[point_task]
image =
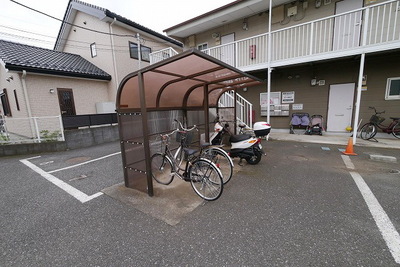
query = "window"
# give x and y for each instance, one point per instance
(16, 99)
(393, 88)
(5, 103)
(93, 50)
(145, 51)
(202, 46)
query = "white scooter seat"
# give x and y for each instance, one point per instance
(239, 137)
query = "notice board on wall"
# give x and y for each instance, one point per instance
(277, 108)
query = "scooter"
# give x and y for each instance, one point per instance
(244, 146)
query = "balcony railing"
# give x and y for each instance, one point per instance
(243, 107)
(162, 54)
(369, 29)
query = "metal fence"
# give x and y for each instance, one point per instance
(88, 120)
(49, 128)
(31, 130)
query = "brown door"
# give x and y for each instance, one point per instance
(66, 100)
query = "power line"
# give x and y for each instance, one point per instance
(84, 28)
(71, 24)
(80, 44)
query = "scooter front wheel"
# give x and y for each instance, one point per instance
(255, 159)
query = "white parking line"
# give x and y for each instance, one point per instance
(382, 220)
(82, 197)
(86, 162)
(348, 162)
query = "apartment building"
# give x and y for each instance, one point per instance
(333, 58)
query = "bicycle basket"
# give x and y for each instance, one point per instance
(184, 137)
(376, 119)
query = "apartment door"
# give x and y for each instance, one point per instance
(347, 27)
(340, 107)
(228, 49)
(66, 101)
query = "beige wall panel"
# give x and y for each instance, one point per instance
(86, 94)
(258, 24)
(14, 84)
(315, 98)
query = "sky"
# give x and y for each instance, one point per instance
(23, 25)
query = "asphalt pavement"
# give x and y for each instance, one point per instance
(304, 204)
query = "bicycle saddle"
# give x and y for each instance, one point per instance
(189, 151)
(239, 137)
(393, 118)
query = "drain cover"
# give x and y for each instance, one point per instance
(78, 160)
(297, 158)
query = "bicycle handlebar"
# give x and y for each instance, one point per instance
(166, 136)
(377, 112)
(183, 128)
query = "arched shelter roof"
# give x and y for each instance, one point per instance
(180, 82)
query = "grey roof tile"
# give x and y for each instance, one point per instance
(40, 60)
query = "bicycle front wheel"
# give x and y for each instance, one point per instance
(368, 131)
(222, 160)
(206, 179)
(396, 130)
(161, 169)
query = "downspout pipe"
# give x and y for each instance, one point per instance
(27, 103)
(358, 101)
(113, 55)
(269, 61)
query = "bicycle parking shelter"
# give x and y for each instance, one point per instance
(185, 87)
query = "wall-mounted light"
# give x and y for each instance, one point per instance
(245, 89)
(313, 82)
(245, 25)
(215, 35)
(51, 91)
(10, 78)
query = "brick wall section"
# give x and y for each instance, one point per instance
(90, 137)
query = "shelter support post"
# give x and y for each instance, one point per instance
(234, 112)
(358, 101)
(206, 114)
(145, 134)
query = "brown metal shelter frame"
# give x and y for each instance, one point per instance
(183, 87)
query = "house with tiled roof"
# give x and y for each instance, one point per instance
(94, 50)
(36, 82)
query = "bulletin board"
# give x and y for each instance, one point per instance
(277, 108)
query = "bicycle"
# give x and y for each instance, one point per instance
(204, 177)
(370, 129)
(216, 154)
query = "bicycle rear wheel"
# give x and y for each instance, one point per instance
(396, 130)
(222, 160)
(206, 179)
(161, 169)
(368, 131)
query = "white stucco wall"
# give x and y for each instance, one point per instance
(79, 41)
(86, 94)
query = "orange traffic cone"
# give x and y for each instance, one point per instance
(349, 148)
